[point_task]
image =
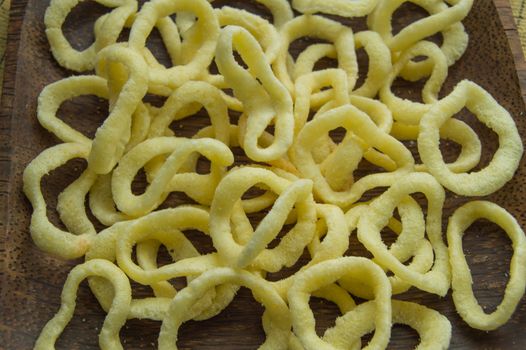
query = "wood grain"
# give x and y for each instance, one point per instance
(31, 281)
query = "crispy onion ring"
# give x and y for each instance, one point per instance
(47, 236)
(323, 28)
(433, 328)
(186, 264)
(117, 313)
(101, 202)
(328, 272)
(407, 111)
(410, 243)
(197, 49)
(357, 122)
(437, 279)
(55, 94)
(463, 297)
(379, 65)
(168, 179)
(129, 82)
(182, 103)
(504, 162)
(254, 253)
(264, 98)
(443, 18)
(277, 313)
(332, 228)
(107, 30)
(454, 130)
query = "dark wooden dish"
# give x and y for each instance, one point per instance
(31, 281)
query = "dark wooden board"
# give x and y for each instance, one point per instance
(31, 281)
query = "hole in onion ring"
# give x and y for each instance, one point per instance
(203, 165)
(155, 44)
(139, 183)
(403, 337)
(487, 137)
(176, 199)
(357, 24)
(406, 14)
(479, 243)
(325, 313)
(93, 109)
(190, 125)
(338, 134)
(408, 89)
(297, 46)
(325, 63)
(243, 313)
(55, 182)
(289, 271)
(85, 318)
(79, 25)
(363, 67)
(202, 242)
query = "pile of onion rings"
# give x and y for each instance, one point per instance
(308, 196)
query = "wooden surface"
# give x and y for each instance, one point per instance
(4, 20)
(518, 8)
(31, 281)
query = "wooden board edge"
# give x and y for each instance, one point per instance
(16, 20)
(508, 22)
